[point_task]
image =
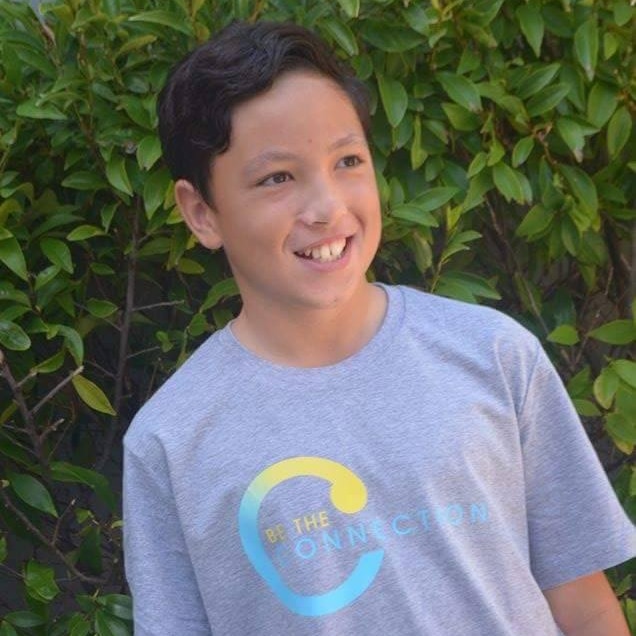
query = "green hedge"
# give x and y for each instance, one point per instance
(503, 139)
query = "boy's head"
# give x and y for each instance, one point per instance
(195, 107)
(265, 133)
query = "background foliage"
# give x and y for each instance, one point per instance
(503, 139)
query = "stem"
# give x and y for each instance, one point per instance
(47, 542)
(124, 335)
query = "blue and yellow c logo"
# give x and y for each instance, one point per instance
(348, 494)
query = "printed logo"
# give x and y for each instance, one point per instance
(348, 494)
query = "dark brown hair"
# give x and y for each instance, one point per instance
(241, 61)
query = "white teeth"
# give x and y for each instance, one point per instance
(327, 252)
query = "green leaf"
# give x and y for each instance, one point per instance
(350, 7)
(136, 43)
(11, 255)
(547, 99)
(394, 99)
(572, 134)
(415, 214)
(25, 619)
(107, 625)
(507, 182)
(601, 104)
(461, 90)
(84, 180)
(535, 222)
(13, 337)
(58, 253)
(226, 288)
(46, 276)
(617, 332)
(63, 471)
(582, 187)
(531, 82)
(40, 582)
(626, 370)
(83, 232)
(117, 175)
(155, 188)
(6, 629)
(168, 19)
(342, 34)
(148, 152)
(33, 493)
(585, 408)
(522, 150)
(458, 242)
(389, 37)
(620, 427)
(460, 118)
(3, 549)
(418, 154)
(434, 198)
(92, 395)
(605, 387)
(52, 364)
(101, 308)
(73, 341)
(564, 335)
(586, 47)
(189, 266)
(117, 605)
(32, 109)
(532, 26)
(618, 131)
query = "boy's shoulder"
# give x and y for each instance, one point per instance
(440, 318)
(192, 388)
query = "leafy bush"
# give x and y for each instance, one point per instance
(503, 141)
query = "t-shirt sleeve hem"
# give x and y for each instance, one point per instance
(603, 562)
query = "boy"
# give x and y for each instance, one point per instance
(345, 458)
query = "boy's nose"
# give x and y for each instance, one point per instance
(323, 207)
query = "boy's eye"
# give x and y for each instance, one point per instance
(351, 161)
(276, 178)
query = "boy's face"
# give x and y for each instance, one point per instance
(295, 201)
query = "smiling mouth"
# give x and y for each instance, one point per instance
(327, 252)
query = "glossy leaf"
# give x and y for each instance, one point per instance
(618, 131)
(32, 492)
(40, 582)
(617, 332)
(58, 253)
(165, 19)
(394, 99)
(586, 47)
(532, 25)
(547, 99)
(13, 337)
(342, 34)
(350, 7)
(117, 174)
(11, 255)
(564, 335)
(92, 395)
(461, 90)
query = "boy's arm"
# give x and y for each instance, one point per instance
(166, 598)
(587, 606)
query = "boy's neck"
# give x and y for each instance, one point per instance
(312, 338)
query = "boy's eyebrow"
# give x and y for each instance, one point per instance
(256, 164)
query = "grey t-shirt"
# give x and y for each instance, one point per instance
(433, 483)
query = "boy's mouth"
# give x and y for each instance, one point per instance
(326, 252)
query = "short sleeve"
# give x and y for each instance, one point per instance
(576, 524)
(166, 598)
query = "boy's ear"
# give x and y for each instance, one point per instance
(198, 215)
